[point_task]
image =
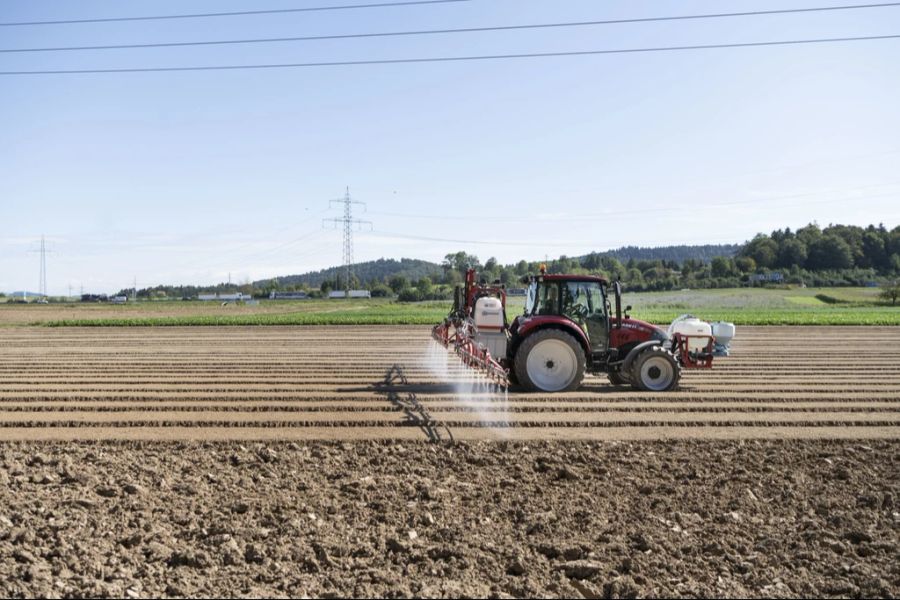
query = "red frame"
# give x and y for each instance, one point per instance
(470, 352)
(688, 359)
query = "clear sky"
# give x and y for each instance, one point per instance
(187, 177)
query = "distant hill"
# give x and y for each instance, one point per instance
(677, 253)
(378, 270)
(413, 269)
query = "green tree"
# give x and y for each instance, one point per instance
(691, 265)
(745, 264)
(452, 278)
(398, 283)
(721, 267)
(591, 261)
(874, 253)
(809, 234)
(763, 250)
(852, 236)
(380, 291)
(830, 252)
(521, 268)
(424, 286)
(461, 262)
(890, 292)
(634, 277)
(792, 251)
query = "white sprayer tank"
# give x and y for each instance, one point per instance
(689, 325)
(488, 317)
(488, 314)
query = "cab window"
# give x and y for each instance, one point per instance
(585, 303)
(542, 299)
(548, 303)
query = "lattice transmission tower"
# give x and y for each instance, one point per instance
(43, 282)
(348, 223)
(42, 276)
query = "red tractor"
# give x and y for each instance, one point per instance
(568, 328)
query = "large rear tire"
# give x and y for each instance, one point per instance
(550, 361)
(655, 370)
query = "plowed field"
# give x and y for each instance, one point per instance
(333, 383)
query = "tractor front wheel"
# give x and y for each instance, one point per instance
(550, 361)
(655, 370)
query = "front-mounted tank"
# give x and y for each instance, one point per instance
(696, 332)
(724, 333)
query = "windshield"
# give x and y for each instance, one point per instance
(542, 298)
(530, 298)
(583, 299)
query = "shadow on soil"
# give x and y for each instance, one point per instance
(402, 395)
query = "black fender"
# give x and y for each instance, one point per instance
(626, 364)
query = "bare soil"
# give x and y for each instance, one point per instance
(273, 461)
(386, 518)
(329, 383)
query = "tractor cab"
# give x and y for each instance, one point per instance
(580, 300)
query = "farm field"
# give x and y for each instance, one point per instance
(350, 383)
(677, 518)
(285, 461)
(757, 306)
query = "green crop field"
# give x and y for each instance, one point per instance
(795, 306)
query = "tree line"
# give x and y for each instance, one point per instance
(832, 256)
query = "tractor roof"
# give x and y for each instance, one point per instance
(563, 277)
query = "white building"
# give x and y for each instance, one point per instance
(223, 297)
(288, 296)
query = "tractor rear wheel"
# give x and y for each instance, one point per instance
(655, 370)
(550, 361)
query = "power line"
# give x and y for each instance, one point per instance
(674, 205)
(422, 238)
(233, 14)
(448, 31)
(395, 61)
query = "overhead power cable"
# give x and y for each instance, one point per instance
(435, 59)
(234, 14)
(671, 206)
(447, 31)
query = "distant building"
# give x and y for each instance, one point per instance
(288, 296)
(350, 294)
(222, 297)
(119, 299)
(773, 277)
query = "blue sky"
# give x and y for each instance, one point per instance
(187, 177)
